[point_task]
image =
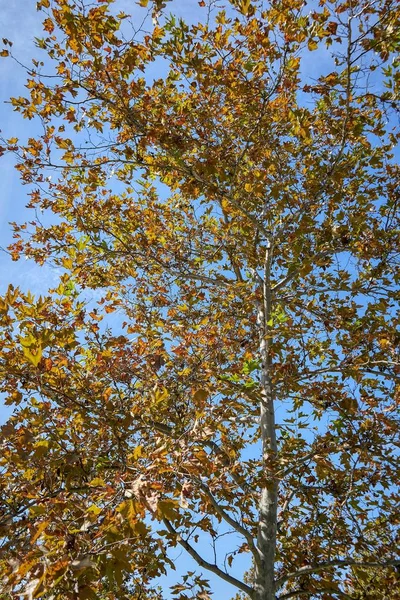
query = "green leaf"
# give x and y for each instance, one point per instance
(250, 366)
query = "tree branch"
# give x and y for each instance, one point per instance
(292, 274)
(226, 516)
(310, 592)
(341, 563)
(340, 369)
(205, 564)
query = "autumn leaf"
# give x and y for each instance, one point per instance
(39, 530)
(168, 509)
(33, 355)
(200, 396)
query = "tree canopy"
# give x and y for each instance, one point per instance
(218, 366)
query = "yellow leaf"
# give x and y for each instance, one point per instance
(68, 157)
(244, 6)
(137, 453)
(94, 509)
(67, 263)
(130, 509)
(323, 468)
(28, 341)
(97, 482)
(74, 45)
(3, 307)
(40, 528)
(160, 394)
(33, 357)
(349, 404)
(384, 343)
(168, 509)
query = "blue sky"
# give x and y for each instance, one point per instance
(20, 24)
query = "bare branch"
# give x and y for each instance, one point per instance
(296, 464)
(205, 564)
(294, 272)
(232, 522)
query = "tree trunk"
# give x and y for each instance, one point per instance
(267, 524)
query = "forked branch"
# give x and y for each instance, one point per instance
(205, 564)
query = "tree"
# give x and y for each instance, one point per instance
(219, 361)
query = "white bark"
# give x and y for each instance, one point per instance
(264, 588)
